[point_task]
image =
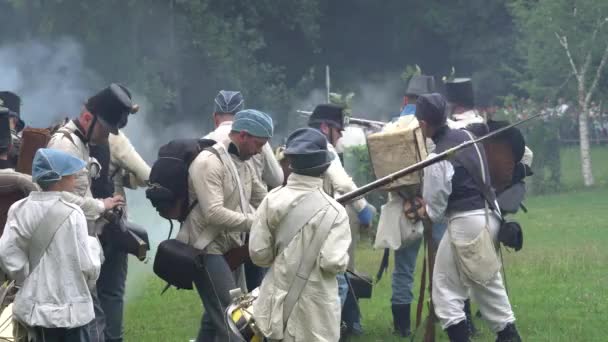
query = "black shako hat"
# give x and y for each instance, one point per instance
(12, 102)
(331, 114)
(420, 84)
(5, 128)
(112, 106)
(460, 91)
(307, 152)
(431, 108)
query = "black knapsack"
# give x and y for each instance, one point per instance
(168, 189)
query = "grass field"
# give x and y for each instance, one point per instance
(558, 283)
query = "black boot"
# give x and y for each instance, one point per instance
(467, 312)
(458, 332)
(401, 319)
(508, 334)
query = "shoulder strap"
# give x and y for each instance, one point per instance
(63, 131)
(220, 151)
(308, 261)
(293, 222)
(46, 230)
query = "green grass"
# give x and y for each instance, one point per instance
(571, 167)
(558, 283)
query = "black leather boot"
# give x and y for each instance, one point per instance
(401, 319)
(508, 334)
(467, 312)
(459, 332)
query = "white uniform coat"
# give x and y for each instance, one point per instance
(218, 209)
(57, 293)
(78, 149)
(127, 167)
(337, 181)
(316, 315)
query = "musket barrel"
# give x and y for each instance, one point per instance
(356, 121)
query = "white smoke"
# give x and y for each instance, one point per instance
(50, 78)
(147, 140)
(53, 82)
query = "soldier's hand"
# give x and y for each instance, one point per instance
(113, 202)
(415, 209)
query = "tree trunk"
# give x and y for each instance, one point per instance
(583, 119)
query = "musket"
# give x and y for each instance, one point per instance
(354, 121)
(350, 196)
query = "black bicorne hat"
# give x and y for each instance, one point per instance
(420, 84)
(460, 91)
(331, 114)
(5, 128)
(111, 106)
(12, 102)
(307, 151)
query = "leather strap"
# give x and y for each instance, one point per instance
(308, 261)
(46, 230)
(422, 286)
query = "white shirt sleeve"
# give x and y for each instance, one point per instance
(341, 182)
(528, 157)
(272, 173)
(437, 187)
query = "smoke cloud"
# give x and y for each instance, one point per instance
(50, 77)
(53, 82)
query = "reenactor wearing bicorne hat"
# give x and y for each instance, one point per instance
(121, 166)
(330, 120)
(103, 113)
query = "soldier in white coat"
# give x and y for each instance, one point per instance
(278, 241)
(267, 169)
(46, 249)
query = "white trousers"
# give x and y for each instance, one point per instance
(451, 288)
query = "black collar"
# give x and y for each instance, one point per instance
(232, 149)
(5, 164)
(78, 132)
(441, 131)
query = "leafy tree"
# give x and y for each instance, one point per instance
(563, 44)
